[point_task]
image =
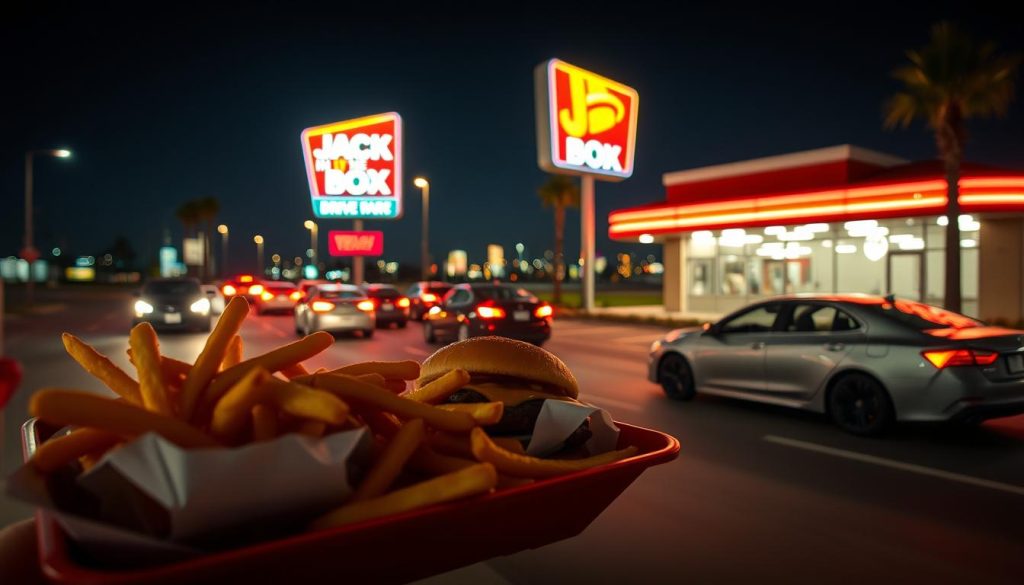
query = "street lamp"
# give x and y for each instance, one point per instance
(313, 231)
(223, 231)
(259, 254)
(424, 185)
(29, 253)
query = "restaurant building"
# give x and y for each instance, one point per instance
(838, 219)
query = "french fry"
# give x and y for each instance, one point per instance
(295, 370)
(69, 407)
(429, 462)
(272, 361)
(102, 368)
(233, 410)
(439, 389)
(173, 371)
(349, 388)
(59, 451)
(146, 353)
(381, 423)
(233, 354)
(510, 444)
(403, 370)
(375, 379)
(451, 444)
(308, 403)
(516, 465)
(264, 423)
(387, 467)
(312, 428)
(395, 385)
(210, 358)
(473, 480)
(484, 413)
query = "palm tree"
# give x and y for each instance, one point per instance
(949, 80)
(188, 214)
(559, 192)
(207, 210)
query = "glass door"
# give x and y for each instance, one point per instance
(905, 275)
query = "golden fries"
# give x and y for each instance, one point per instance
(473, 480)
(404, 370)
(427, 461)
(516, 465)
(233, 355)
(235, 408)
(101, 367)
(389, 464)
(59, 451)
(484, 413)
(264, 423)
(308, 403)
(146, 353)
(212, 356)
(441, 388)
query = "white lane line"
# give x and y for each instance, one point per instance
(416, 351)
(618, 404)
(892, 464)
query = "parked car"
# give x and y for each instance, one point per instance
(278, 296)
(336, 308)
(216, 298)
(389, 304)
(304, 284)
(173, 303)
(866, 361)
(244, 285)
(424, 295)
(471, 310)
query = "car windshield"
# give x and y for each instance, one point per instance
(438, 290)
(340, 294)
(171, 288)
(503, 293)
(384, 293)
(923, 317)
(280, 286)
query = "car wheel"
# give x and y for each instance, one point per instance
(858, 404)
(676, 377)
(463, 332)
(367, 333)
(428, 333)
(402, 324)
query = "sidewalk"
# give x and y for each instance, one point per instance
(648, 314)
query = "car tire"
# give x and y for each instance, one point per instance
(463, 332)
(859, 405)
(402, 324)
(428, 333)
(367, 333)
(676, 377)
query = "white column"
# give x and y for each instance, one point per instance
(587, 241)
(674, 285)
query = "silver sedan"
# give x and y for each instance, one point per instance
(866, 361)
(335, 308)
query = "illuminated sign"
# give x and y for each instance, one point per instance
(355, 243)
(586, 124)
(355, 167)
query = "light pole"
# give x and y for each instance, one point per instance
(424, 186)
(222, 229)
(29, 253)
(313, 231)
(259, 254)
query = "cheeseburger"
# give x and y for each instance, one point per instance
(518, 374)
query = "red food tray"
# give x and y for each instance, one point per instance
(395, 549)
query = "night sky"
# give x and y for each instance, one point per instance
(169, 102)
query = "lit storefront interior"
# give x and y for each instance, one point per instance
(840, 219)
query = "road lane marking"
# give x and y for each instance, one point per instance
(416, 351)
(618, 404)
(893, 464)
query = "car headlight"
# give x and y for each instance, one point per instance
(143, 308)
(655, 346)
(201, 306)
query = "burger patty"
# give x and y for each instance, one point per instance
(520, 419)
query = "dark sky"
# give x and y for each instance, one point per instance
(172, 101)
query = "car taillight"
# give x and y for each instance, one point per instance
(365, 306)
(322, 307)
(267, 295)
(487, 312)
(403, 302)
(256, 290)
(428, 298)
(245, 279)
(543, 311)
(228, 290)
(295, 296)
(947, 358)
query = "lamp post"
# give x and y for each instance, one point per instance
(29, 253)
(259, 254)
(222, 229)
(424, 186)
(313, 231)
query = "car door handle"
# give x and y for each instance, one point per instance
(834, 346)
(757, 345)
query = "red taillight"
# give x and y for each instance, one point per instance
(487, 312)
(267, 295)
(403, 303)
(245, 279)
(428, 298)
(322, 307)
(365, 306)
(256, 290)
(543, 311)
(947, 358)
(228, 290)
(295, 296)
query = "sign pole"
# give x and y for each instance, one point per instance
(587, 241)
(357, 261)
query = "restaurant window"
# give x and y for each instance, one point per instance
(700, 277)
(734, 278)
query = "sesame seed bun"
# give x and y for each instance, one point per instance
(501, 356)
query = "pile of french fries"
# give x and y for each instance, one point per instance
(424, 453)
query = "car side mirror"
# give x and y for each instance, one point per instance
(711, 329)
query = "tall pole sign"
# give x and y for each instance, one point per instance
(586, 125)
(354, 169)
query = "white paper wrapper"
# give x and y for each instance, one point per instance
(158, 499)
(557, 421)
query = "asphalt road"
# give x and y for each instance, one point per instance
(757, 493)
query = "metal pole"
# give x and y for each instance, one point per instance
(587, 241)
(224, 255)
(357, 261)
(425, 244)
(30, 288)
(259, 259)
(314, 234)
